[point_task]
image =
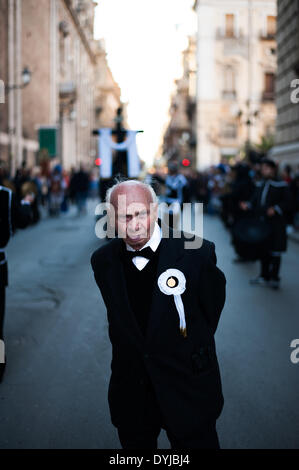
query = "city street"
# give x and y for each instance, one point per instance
(54, 392)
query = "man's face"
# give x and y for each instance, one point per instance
(267, 171)
(135, 215)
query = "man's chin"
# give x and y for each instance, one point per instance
(136, 242)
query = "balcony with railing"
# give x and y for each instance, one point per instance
(268, 96)
(229, 95)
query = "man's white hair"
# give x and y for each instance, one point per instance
(131, 183)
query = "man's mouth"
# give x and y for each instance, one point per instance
(136, 237)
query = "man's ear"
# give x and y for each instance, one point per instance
(154, 211)
(111, 222)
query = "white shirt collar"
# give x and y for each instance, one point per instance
(153, 242)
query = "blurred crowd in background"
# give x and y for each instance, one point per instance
(54, 190)
(257, 202)
(220, 188)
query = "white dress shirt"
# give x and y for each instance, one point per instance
(139, 261)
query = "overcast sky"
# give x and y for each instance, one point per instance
(144, 40)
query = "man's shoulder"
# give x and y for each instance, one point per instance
(279, 183)
(104, 252)
(5, 189)
(193, 243)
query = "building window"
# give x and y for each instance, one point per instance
(270, 130)
(269, 82)
(269, 86)
(62, 53)
(271, 26)
(229, 25)
(229, 130)
(229, 83)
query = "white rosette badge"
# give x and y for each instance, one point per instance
(173, 282)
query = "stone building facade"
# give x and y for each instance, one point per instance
(54, 39)
(236, 68)
(286, 149)
(107, 92)
(179, 141)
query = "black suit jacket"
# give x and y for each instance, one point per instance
(183, 371)
(13, 215)
(273, 193)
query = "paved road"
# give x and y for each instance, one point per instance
(55, 390)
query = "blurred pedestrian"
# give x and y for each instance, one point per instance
(13, 215)
(287, 174)
(294, 188)
(176, 186)
(79, 188)
(66, 193)
(94, 184)
(271, 201)
(22, 176)
(216, 186)
(30, 188)
(242, 189)
(56, 191)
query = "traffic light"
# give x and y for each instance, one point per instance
(98, 162)
(186, 162)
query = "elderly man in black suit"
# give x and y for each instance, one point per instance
(163, 305)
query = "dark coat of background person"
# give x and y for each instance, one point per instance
(12, 216)
(184, 372)
(272, 193)
(79, 183)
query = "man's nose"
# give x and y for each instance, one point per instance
(135, 225)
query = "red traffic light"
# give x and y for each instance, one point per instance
(98, 162)
(186, 162)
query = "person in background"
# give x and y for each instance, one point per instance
(176, 189)
(271, 200)
(287, 174)
(56, 191)
(79, 188)
(66, 193)
(13, 215)
(294, 189)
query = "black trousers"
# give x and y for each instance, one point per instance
(2, 310)
(146, 435)
(270, 266)
(147, 438)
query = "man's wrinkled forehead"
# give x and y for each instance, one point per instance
(134, 208)
(122, 199)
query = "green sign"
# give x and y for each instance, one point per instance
(47, 137)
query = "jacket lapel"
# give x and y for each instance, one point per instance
(116, 278)
(171, 250)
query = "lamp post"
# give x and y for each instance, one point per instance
(247, 119)
(26, 79)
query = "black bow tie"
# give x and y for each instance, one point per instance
(145, 253)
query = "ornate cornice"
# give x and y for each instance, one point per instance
(80, 30)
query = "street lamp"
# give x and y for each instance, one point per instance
(26, 76)
(248, 121)
(26, 79)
